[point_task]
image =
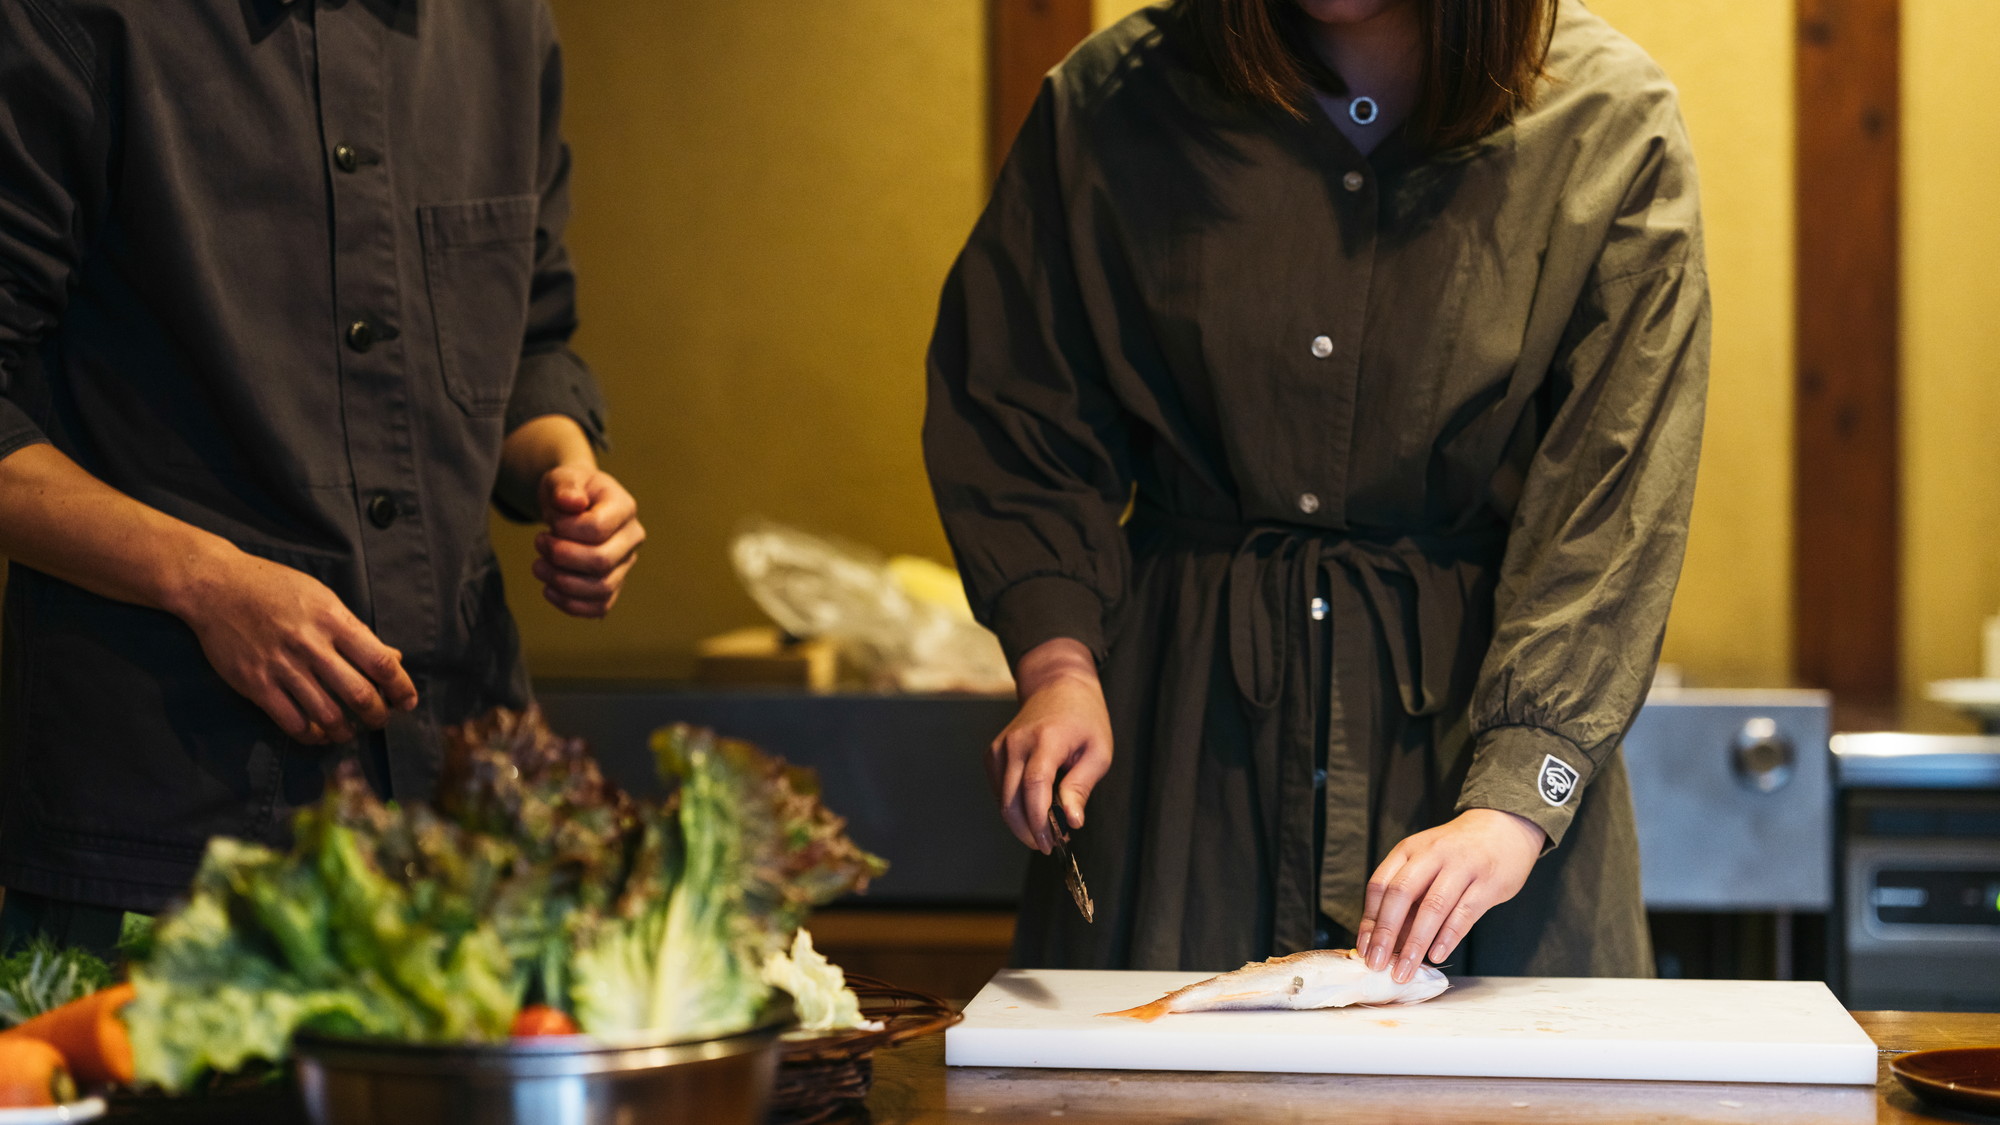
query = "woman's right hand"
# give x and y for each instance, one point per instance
(1062, 728)
(290, 645)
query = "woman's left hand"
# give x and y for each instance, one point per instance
(1433, 886)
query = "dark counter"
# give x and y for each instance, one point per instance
(914, 1087)
(905, 770)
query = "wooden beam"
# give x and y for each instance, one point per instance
(1847, 524)
(1024, 39)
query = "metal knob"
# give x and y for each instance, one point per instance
(1762, 758)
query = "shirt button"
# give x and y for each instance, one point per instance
(1353, 181)
(1308, 503)
(361, 335)
(1319, 779)
(1322, 346)
(382, 510)
(1318, 609)
(1321, 939)
(346, 158)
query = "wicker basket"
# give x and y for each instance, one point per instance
(823, 1076)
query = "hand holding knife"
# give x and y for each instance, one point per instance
(1072, 875)
(1053, 753)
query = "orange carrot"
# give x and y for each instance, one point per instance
(89, 1034)
(32, 1073)
(540, 1019)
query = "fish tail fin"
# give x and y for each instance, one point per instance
(1145, 1013)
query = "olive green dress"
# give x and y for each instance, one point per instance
(1366, 478)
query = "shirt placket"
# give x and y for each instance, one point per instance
(1341, 775)
(1338, 352)
(400, 595)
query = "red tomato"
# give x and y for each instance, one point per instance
(540, 1019)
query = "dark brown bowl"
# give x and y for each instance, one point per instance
(1965, 1078)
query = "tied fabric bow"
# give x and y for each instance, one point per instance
(1416, 589)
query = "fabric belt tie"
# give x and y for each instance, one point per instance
(1280, 565)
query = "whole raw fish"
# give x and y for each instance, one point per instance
(1317, 978)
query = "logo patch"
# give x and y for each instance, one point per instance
(1557, 782)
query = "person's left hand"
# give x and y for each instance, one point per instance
(1452, 874)
(592, 539)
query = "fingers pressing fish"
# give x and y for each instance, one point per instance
(1317, 978)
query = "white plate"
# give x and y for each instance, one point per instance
(86, 1110)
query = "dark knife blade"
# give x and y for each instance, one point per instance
(1072, 876)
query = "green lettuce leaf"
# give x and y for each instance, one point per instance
(818, 988)
(378, 922)
(796, 853)
(758, 850)
(528, 877)
(217, 991)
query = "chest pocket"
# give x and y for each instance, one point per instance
(479, 260)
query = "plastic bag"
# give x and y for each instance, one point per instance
(903, 623)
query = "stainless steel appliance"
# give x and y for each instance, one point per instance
(1734, 795)
(1920, 871)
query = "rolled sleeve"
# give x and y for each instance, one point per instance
(17, 430)
(558, 382)
(54, 157)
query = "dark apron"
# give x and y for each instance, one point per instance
(1288, 704)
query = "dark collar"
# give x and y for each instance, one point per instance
(264, 16)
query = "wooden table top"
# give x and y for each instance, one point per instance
(912, 1087)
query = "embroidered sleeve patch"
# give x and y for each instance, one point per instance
(1557, 782)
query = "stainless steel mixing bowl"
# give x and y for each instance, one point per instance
(562, 1080)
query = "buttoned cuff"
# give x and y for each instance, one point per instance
(1043, 608)
(557, 382)
(1529, 772)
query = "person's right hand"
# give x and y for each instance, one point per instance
(1063, 725)
(293, 648)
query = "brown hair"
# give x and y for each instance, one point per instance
(1482, 58)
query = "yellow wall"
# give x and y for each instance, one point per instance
(1951, 341)
(768, 195)
(767, 198)
(1111, 11)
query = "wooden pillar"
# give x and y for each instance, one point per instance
(1847, 526)
(1024, 39)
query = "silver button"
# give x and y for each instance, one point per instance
(1353, 181)
(1318, 609)
(1319, 779)
(1308, 503)
(1322, 347)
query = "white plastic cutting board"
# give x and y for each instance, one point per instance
(1496, 1027)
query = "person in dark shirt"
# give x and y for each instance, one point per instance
(284, 306)
(1314, 414)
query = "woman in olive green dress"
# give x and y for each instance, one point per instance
(1314, 415)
